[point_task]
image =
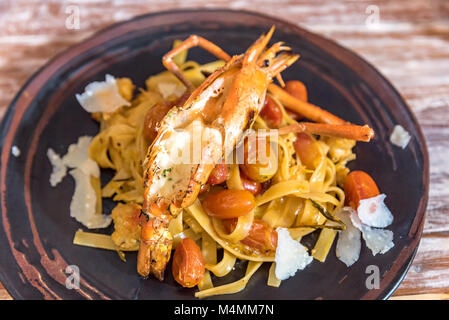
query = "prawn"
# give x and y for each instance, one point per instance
(222, 107)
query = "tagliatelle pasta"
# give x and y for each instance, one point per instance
(232, 287)
(285, 201)
(197, 211)
(240, 231)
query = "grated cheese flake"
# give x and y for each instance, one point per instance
(349, 241)
(59, 170)
(377, 240)
(15, 151)
(102, 96)
(400, 137)
(82, 206)
(374, 213)
(291, 255)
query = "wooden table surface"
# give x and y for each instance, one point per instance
(407, 40)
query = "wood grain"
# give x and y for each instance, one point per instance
(4, 295)
(409, 44)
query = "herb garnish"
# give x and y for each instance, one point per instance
(327, 214)
(165, 171)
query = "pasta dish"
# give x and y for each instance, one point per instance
(217, 163)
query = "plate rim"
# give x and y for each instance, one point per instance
(420, 215)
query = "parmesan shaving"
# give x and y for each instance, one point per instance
(374, 213)
(377, 240)
(59, 169)
(83, 204)
(77, 152)
(291, 255)
(77, 157)
(15, 151)
(400, 137)
(349, 240)
(102, 96)
(82, 207)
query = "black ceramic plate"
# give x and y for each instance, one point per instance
(36, 231)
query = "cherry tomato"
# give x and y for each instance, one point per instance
(358, 186)
(258, 165)
(227, 204)
(307, 150)
(152, 119)
(250, 185)
(219, 174)
(188, 263)
(271, 112)
(260, 237)
(296, 89)
(155, 115)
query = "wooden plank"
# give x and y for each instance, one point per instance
(429, 272)
(4, 295)
(425, 296)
